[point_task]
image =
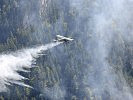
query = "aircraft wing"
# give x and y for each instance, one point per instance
(62, 37)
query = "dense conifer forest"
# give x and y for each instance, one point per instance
(71, 71)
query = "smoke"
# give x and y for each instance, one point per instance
(54, 93)
(97, 23)
(34, 17)
(13, 62)
(109, 19)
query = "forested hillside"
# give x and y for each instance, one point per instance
(97, 65)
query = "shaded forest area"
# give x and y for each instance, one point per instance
(62, 73)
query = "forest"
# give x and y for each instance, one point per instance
(97, 65)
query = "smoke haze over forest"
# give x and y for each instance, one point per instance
(97, 65)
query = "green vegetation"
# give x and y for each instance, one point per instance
(66, 66)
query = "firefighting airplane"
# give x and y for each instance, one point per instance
(60, 38)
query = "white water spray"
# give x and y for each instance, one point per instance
(17, 61)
